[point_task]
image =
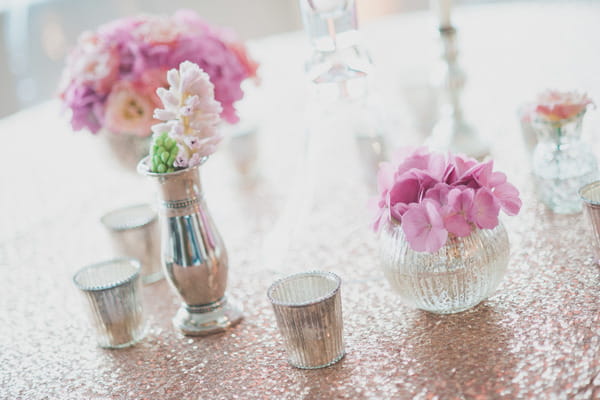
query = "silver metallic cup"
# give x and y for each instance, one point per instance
(112, 290)
(193, 253)
(135, 233)
(308, 309)
(590, 195)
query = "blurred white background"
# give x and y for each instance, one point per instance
(37, 34)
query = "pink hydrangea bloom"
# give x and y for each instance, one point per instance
(485, 209)
(423, 226)
(93, 64)
(137, 50)
(458, 209)
(432, 195)
(554, 105)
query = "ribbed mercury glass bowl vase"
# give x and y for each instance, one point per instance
(463, 273)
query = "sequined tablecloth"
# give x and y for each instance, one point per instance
(537, 337)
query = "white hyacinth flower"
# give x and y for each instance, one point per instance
(190, 114)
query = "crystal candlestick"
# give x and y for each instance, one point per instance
(339, 61)
(340, 73)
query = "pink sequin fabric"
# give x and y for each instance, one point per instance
(537, 337)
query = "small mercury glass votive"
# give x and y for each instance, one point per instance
(243, 145)
(308, 309)
(112, 290)
(590, 195)
(135, 233)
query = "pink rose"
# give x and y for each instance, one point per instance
(554, 105)
(128, 111)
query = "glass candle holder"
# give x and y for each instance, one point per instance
(590, 196)
(308, 310)
(339, 63)
(135, 233)
(112, 291)
(562, 163)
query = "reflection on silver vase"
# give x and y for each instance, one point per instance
(193, 254)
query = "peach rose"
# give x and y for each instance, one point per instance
(128, 111)
(555, 106)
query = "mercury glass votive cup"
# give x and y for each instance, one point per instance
(112, 291)
(590, 195)
(135, 233)
(308, 310)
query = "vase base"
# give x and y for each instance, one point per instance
(207, 319)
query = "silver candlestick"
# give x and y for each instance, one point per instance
(452, 132)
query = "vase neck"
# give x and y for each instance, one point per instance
(180, 189)
(560, 132)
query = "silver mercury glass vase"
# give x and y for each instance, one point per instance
(193, 255)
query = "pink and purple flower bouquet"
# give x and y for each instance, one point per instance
(111, 76)
(434, 195)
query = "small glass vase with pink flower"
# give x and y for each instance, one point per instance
(562, 162)
(110, 78)
(442, 246)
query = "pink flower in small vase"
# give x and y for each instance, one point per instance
(554, 105)
(423, 226)
(128, 111)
